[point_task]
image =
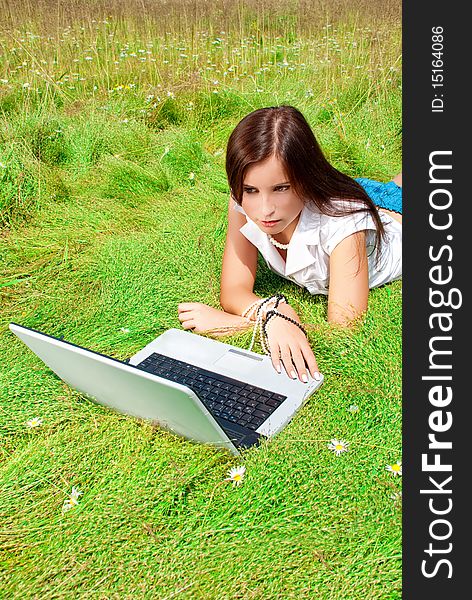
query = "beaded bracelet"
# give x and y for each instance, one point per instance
(269, 316)
(261, 312)
(276, 313)
(247, 312)
(258, 305)
(277, 299)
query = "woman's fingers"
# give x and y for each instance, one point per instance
(299, 362)
(286, 358)
(185, 306)
(292, 352)
(275, 357)
(184, 316)
(187, 318)
(310, 361)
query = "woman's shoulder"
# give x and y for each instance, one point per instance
(351, 218)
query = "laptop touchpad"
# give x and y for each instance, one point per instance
(238, 361)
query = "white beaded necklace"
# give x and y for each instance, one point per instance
(278, 244)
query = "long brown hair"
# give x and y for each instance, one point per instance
(283, 131)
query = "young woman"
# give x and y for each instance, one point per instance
(312, 224)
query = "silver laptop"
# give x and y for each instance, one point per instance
(199, 388)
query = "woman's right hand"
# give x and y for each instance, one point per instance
(289, 347)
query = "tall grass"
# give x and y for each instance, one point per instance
(114, 118)
(63, 96)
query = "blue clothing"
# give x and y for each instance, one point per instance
(385, 195)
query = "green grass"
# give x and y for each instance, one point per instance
(112, 211)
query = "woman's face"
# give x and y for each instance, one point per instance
(269, 199)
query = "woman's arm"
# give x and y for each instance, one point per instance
(349, 280)
(237, 283)
(238, 272)
(287, 343)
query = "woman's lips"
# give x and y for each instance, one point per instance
(270, 223)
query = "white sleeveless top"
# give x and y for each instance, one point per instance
(316, 236)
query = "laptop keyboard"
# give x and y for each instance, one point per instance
(229, 399)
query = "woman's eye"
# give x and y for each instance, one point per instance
(249, 190)
(282, 188)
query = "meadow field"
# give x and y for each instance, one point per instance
(114, 118)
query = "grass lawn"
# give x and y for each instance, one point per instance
(113, 204)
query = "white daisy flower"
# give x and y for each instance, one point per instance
(191, 176)
(72, 501)
(338, 446)
(74, 495)
(124, 330)
(236, 475)
(35, 422)
(353, 408)
(395, 469)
